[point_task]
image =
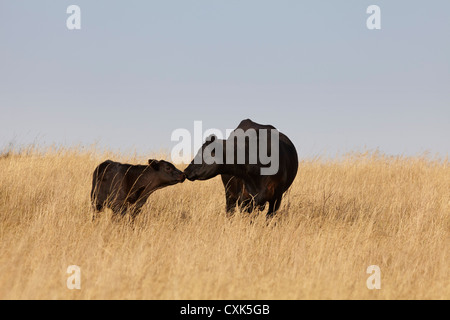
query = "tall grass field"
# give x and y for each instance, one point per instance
(339, 217)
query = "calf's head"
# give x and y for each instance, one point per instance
(166, 172)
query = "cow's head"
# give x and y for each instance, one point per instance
(208, 162)
(166, 172)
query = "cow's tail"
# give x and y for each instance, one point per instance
(97, 179)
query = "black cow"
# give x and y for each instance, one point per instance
(123, 186)
(244, 183)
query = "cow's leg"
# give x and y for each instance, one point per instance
(232, 187)
(137, 207)
(119, 209)
(96, 208)
(260, 201)
(274, 205)
(230, 204)
(98, 202)
(247, 204)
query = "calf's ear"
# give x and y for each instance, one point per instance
(154, 164)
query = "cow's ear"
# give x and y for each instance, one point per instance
(212, 138)
(154, 164)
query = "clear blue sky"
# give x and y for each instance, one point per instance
(137, 70)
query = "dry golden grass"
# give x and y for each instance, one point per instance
(339, 217)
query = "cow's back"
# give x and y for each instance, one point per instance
(103, 178)
(287, 151)
(249, 124)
